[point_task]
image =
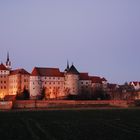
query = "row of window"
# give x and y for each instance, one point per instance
(50, 83)
(86, 83)
(3, 76)
(3, 71)
(18, 87)
(15, 81)
(3, 82)
(57, 78)
(2, 87)
(52, 88)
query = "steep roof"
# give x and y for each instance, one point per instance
(19, 71)
(50, 72)
(96, 79)
(103, 79)
(2, 67)
(84, 76)
(73, 70)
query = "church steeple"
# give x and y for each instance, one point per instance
(8, 62)
(67, 68)
(68, 65)
(7, 56)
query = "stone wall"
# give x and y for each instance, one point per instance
(6, 105)
(67, 104)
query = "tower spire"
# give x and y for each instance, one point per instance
(67, 68)
(68, 65)
(8, 56)
(8, 62)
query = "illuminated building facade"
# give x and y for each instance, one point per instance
(52, 81)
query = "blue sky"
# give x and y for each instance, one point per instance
(101, 37)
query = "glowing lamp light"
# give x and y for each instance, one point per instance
(1, 95)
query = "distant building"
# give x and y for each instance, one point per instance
(60, 84)
(19, 80)
(52, 81)
(135, 84)
(4, 81)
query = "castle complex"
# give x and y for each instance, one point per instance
(56, 84)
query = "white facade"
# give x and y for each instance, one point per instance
(35, 86)
(4, 82)
(54, 86)
(72, 83)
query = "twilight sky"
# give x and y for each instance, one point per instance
(101, 37)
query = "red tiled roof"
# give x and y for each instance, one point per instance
(84, 76)
(2, 67)
(73, 70)
(19, 71)
(51, 72)
(96, 79)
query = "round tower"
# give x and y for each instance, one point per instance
(72, 80)
(35, 84)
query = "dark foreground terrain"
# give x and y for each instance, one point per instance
(102, 124)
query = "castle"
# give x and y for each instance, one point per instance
(56, 84)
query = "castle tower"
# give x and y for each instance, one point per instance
(72, 80)
(35, 83)
(8, 62)
(67, 68)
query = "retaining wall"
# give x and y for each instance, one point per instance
(66, 103)
(6, 105)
